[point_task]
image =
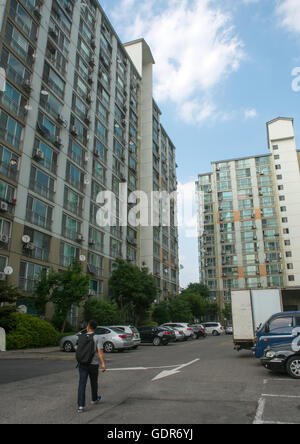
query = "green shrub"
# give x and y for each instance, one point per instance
(148, 322)
(31, 332)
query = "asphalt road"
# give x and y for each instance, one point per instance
(195, 382)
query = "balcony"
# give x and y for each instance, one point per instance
(37, 219)
(10, 171)
(43, 191)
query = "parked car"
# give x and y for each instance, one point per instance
(282, 359)
(113, 339)
(229, 330)
(184, 326)
(199, 331)
(156, 335)
(179, 335)
(130, 329)
(213, 328)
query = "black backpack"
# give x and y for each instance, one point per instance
(86, 349)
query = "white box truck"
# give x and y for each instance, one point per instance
(250, 309)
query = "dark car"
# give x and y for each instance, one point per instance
(282, 361)
(199, 331)
(156, 335)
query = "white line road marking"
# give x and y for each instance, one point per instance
(280, 396)
(176, 370)
(260, 411)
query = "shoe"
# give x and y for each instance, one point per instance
(80, 409)
(97, 401)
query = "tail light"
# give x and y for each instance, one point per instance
(201, 331)
(189, 329)
(132, 335)
(122, 336)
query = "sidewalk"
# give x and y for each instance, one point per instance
(49, 353)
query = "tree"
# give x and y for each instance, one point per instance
(104, 312)
(197, 288)
(8, 297)
(133, 289)
(161, 313)
(180, 310)
(68, 288)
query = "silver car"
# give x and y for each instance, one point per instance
(133, 331)
(113, 339)
(180, 336)
(187, 330)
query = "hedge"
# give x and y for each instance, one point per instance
(31, 332)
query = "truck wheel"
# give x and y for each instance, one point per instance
(293, 367)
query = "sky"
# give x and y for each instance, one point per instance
(223, 69)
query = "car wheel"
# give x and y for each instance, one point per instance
(108, 347)
(68, 347)
(215, 333)
(156, 341)
(194, 336)
(293, 367)
(165, 343)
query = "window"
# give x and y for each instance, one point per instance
(38, 213)
(291, 278)
(288, 254)
(29, 274)
(280, 324)
(279, 177)
(283, 209)
(284, 220)
(290, 266)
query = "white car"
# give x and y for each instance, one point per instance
(184, 326)
(133, 331)
(214, 328)
(113, 339)
(180, 336)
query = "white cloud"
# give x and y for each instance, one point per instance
(194, 45)
(250, 113)
(289, 14)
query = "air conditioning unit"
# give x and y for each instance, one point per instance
(39, 155)
(89, 99)
(27, 85)
(92, 62)
(30, 246)
(3, 206)
(90, 80)
(58, 142)
(88, 119)
(96, 153)
(4, 238)
(92, 242)
(79, 238)
(74, 131)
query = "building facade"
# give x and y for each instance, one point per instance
(76, 118)
(249, 218)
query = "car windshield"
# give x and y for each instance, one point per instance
(134, 329)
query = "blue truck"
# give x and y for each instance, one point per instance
(277, 343)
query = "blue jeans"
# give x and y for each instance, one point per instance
(85, 372)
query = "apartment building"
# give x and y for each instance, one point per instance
(77, 117)
(249, 218)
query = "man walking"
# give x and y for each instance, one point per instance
(89, 353)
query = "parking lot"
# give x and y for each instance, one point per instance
(195, 382)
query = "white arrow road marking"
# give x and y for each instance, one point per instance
(176, 370)
(139, 368)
